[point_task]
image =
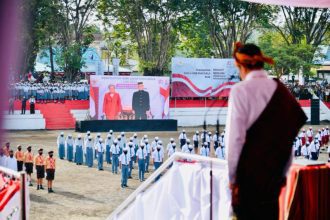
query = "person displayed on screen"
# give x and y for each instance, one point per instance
(141, 103)
(112, 104)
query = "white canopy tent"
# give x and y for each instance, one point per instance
(296, 3)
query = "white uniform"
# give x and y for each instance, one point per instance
(115, 149)
(184, 148)
(100, 147)
(141, 154)
(124, 159)
(171, 151)
(11, 163)
(204, 151)
(304, 151)
(190, 151)
(220, 153)
(158, 156)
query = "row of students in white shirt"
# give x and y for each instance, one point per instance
(205, 136)
(322, 135)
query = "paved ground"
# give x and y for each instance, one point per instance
(80, 192)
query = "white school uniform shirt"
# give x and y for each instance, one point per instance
(124, 159)
(222, 141)
(142, 141)
(171, 151)
(182, 136)
(100, 147)
(86, 138)
(297, 144)
(78, 143)
(96, 140)
(317, 145)
(196, 137)
(301, 135)
(158, 156)
(220, 153)
(169, 145)
(184, 148)
(204, 151)
(131, 151)
(115, 149)
(11, 163)
(240, 116)
(135, 141)
(309, 133)
(141, 154)
(60, 140)
(154, 145)
(207, 137)
(304, 150)
(312, 148)
(216, 138)
(88, 144)
(147, 147)
(108, 141)
(190, 151)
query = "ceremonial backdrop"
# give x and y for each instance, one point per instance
(202, 77)
(111, 97)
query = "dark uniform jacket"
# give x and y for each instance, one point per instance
(141, 101)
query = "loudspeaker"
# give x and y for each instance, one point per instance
(315, 111)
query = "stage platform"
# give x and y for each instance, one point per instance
(126, 125)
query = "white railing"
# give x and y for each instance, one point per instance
(23, 194)
(151, 179)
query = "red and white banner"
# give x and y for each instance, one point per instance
(202, 77)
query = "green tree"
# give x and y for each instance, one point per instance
(151, 27)
(289, 58)
(76, 34)
(229, 21)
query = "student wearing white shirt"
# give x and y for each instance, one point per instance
(114, 150)
(304, 150)
(313, 151)
(160, 144)
(141, 157)
(10, 161)
(61, 146)
(171, 150)
(131, 152)
(96, 140)
(169, 145)
(78, 150)
(309, 134)
(100, 151)
(108, 143)
(296, 147)
(154, 144)
(204, 151)
(89, 151)
(190, 149)
(196, 140)
(215, 140)
(182, 138)
(69, 142)
(219, 153)
(124, 161)
(88, 134)
(148, 149)
(185, 146)
(142, 141)
(158, 157)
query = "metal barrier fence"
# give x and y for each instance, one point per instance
(22, 178)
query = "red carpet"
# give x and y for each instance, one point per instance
(57, 115)
(327, 104)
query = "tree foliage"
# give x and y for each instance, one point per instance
(150, 24)
(229, 21)
(289, 58)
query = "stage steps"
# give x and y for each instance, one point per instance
(27, 121)
(57, 116)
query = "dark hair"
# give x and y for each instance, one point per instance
(251, 50)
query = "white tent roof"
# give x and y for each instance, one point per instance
(296, 3)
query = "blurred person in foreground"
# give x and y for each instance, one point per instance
(258, 160)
